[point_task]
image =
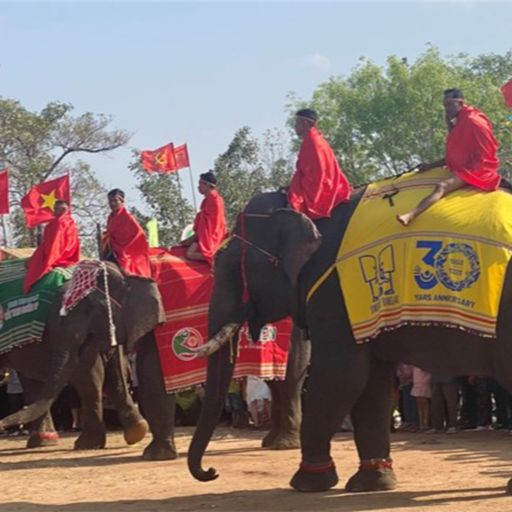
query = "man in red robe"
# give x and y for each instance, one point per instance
(125, 241)
(471, 153)
(60, 246)
(209, 224)
(318, 184)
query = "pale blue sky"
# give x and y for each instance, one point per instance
(196, 72)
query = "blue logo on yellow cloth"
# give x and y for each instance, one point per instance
(455, 265)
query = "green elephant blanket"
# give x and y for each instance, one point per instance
(23, 317)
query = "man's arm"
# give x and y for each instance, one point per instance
(193, 253)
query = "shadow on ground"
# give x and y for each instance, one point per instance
(282, 500)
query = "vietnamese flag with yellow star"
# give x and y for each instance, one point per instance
(39, 203)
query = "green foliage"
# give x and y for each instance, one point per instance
(383, 120)
(247, 168)
(161, 193)
(36, 146)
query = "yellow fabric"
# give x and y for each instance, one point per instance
(447, 267)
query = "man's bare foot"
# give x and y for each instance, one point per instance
(405, 219)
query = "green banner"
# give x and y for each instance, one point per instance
(152, 227)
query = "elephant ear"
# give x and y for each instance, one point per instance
(142, 309)
(298, 240)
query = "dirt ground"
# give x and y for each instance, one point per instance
(465, 471)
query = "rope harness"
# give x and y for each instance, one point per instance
(245, 243)
(111, 326)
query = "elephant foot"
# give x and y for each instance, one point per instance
(38, 439)
(160, 451)
(509, 486)
(373, 475)
(269, 439)
(136, 432)
(88, 442)
(315, 477)
(286, 442)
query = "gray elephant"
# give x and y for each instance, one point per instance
(344, 376)
(76, 348)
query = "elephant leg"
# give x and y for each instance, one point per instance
(290, 394)
(134, 425)
(275, 413)
(88, 380)
(42, 430)
(504, 378)
(159, 407)
(371, 419)
(336, 379)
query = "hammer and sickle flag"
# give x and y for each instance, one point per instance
(159, 160)
(39, 202)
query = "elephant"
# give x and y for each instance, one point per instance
(85, 329)
(276, 255)
(76, 348)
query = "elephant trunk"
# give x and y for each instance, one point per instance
(62, 365)
(219, 373)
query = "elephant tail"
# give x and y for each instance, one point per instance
(220, 371)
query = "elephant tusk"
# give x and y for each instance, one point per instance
(220, 339)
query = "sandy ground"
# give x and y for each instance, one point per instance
(466, 471)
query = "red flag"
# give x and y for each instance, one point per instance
(4, 192)
(506, 90)
(181, 157)
(39, 203)
(159, 160)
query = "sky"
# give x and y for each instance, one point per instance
(195, 72)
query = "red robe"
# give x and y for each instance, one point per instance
(60, 247)
(210, 225)
(128, 242)
(471, 150)
(318, 184)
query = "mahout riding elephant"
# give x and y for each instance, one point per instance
(81, 340)
(76, 348)
(344, 377)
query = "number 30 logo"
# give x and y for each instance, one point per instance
(455, 266)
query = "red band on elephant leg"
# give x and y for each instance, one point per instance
(373, 464)
(317, 468)
(48, 436)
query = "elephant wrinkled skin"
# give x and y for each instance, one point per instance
(344, 377)
(77, 348)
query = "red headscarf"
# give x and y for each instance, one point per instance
(60, 247)
(318, 184)
(128, 243)
(471, 150)
(210, 225)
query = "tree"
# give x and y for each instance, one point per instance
(162, 194)
(247, 168)
(382, 121)
(36, 146)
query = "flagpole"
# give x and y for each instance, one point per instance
(4, 231)
(181, 197)
(192, 186)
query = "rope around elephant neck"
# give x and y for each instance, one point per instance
(111, 325)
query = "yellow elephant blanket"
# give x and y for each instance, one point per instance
(446, 268)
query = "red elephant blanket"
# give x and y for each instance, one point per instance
(185, 287)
